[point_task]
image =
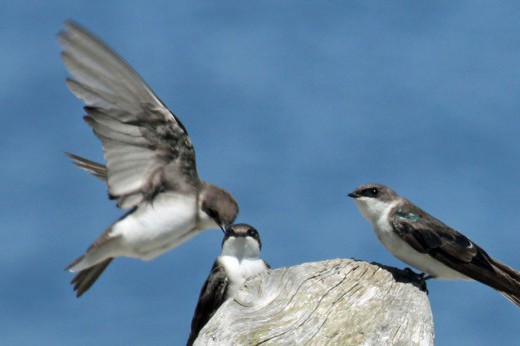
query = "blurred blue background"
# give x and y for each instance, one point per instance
(290, 105)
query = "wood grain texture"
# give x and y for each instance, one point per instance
(335, 302)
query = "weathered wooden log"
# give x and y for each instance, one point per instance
(335, 302)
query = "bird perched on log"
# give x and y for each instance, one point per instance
(239, 259)
(422, 241)
(150, 161)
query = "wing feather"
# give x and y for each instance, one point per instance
(146, 148)
(211, 298)
(429, 235)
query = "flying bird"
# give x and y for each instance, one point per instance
(150, 161)
(239, 259)
(422, 241)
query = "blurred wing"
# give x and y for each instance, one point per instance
(146, 148)
(211, 298)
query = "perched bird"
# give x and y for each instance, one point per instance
(422, 241)
(239, 259)
(150, 161)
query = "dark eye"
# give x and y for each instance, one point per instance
(371, 192)
(250, 232)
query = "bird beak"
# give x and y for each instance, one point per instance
(353, 195)
(223, 228)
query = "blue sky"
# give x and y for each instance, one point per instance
(290, 106)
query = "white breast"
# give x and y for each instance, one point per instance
(239, 270)
(157, 227)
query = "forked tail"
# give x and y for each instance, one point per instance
(86, 277)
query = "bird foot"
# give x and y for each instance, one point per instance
(420, 279)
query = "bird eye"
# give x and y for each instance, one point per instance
(250, 232)
(230, 231)
(371, 192)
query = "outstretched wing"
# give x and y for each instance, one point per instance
(146, 148)
(211, 297)
(429, 235)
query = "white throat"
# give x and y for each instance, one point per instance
(373, 209)
(241, 259)
(241, 248)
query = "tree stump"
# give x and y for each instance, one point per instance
(335, 302)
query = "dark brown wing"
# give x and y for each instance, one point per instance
(429, 235)
(211, 297)
(146, 148)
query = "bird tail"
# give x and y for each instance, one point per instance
(86, 277)
(96, 169)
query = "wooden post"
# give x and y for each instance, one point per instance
(335, 302)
